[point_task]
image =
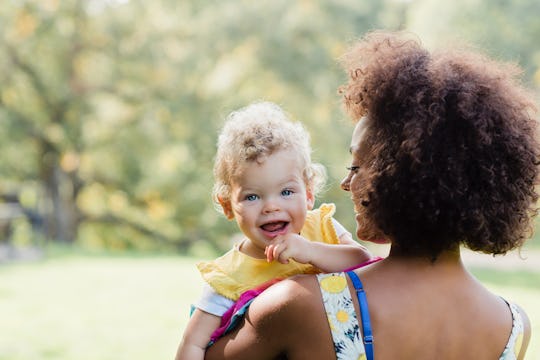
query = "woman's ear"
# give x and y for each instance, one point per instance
(227, 207)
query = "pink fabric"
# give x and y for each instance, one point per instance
(244, 298)
(366, 263)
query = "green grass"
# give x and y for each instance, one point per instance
(117, 307)
(95, 308)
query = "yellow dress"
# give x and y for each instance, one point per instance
(233, 273)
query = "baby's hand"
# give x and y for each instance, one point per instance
(289, 246)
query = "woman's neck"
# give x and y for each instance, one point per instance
(452, 256)
(446, 268)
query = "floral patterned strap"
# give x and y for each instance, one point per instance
(341, 316)
(513, 347)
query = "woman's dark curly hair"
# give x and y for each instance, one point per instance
(454, 144)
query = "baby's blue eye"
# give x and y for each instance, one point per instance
(287, 192)
(251, 197)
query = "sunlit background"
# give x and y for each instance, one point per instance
(109, 113)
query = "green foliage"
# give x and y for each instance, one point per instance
(110, 109)
(507, 30)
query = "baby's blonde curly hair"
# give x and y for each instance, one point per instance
(255, 132)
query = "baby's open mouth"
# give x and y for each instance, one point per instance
(275, 227)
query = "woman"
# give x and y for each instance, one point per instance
(445, 155)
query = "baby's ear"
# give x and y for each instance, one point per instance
(227, 207)
(310, 199)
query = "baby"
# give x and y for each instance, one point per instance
(265, 180)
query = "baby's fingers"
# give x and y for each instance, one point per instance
(282, 253)
(277, 251)
(269, 252)
(272, 252)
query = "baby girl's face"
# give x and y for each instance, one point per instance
(268, 199)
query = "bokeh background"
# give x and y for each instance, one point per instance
(109, 113)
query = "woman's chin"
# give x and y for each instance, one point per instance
(379, 241)
(373, 239)
(368, 233)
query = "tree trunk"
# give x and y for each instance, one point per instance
(61, 212)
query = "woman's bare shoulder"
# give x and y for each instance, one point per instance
(294, 307)
(291, 307)
(289, 295)
(283, 307)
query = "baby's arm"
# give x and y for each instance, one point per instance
(197, 335)
(326, 257)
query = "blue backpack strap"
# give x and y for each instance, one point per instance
(364, 314)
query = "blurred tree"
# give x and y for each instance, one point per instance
(110, 109)
(507, 30)
(112, 122)
(41, 102)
